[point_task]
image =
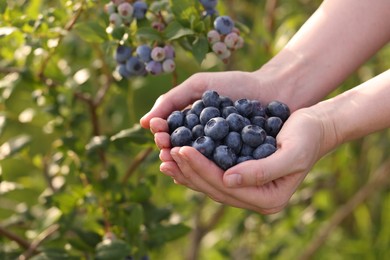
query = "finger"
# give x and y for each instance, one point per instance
(176, 99)
(172, 170)
(158, 125)
(165, 155)
(259, 172)
(162, 140)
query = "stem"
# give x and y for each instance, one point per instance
(381, 178)
(141, 156)
(12, 236)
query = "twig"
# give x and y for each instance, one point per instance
(141, 156)
(381, 178)
(12, 236)
(38, 241)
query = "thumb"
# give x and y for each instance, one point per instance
(262, 171)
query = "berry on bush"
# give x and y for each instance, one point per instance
(224, 24)
(228, 132)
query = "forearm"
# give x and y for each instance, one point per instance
(337, 39)
(355, 113)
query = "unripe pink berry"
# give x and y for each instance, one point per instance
(158, 54)
(219, 48)
(239, 43)
(169, 52)
(213, 36)
(168, 65)
(225, 55)
(115, 19)
(158, 26)
(231, 40)
(110, 8)
(125, 10)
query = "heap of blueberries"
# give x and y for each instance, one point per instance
(228, 132)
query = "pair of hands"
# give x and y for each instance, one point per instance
(265, 185)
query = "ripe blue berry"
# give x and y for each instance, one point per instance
(236, 122)
(223, 24)
(270, 140)
(197, 107)
(143, 52)
(257, 109)
(224, 157)
(197, 131)
(253, 135)
(135, 66)
(209, 4)
(273, 125)
(244, 106)
(225, 102)
(278, 109)
(258, 120)
(217, 128)
(121, 68)
(208, 113)
(191, 120)
(205, 145)
(122, 53)
(242, 159)
(210, 98)
(233, 141)
(226, 111)
(263, 151)
(175, 120)
(140, 9)
(182, 136)
(246, 150)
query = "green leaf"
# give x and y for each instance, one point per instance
(135, 134)
(162, 234)
(3, 123)
(91, 31)
(135, 219)
(148, 33)
(175, 31)
(200, 48)
(96, 143)
(14, 145)
(112, 249)
(50, 254)
(184, 10)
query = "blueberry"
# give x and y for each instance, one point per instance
(236, 122)
(143, 52)
(169, 52)
(242, 159)
(154, 67)
(224, 24)
(197, 131)
(122, 70)
(135, 65)
(234, 142)
(158, 53)
(122, 53)
(258, 120)
(225, 102)
(270, 140)
(273, 125)
(205, 145)
(263, 151)
(140, 9)
(217, 128)
(278, 109)
(244, 106)
(208, 113)
(253, 135)
(209, 4)
(197, 107)
(257, 109)
(191, 120)
(229, 110)
(224, 157)
(246, 150)
(210, 98)
(175, 120)
(182, 136)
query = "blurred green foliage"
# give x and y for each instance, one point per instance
(77, 170)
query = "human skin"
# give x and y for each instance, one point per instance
(336, 40)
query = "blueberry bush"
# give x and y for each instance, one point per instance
(79, 178)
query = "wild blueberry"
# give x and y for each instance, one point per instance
(270, 140)
(197, 107)
(273, 125)
(210, 98)
(209, 4)
(169, 52)
(244, 106)
(135, 65)
(246, 150)
(191, 120)
(253, 135)
(226, 111)
(122, 53)
(143, 52)
(140, 9)
(236, 122)
(208, 113)
(197, 131)
(223, 24)
(154, 67)
(217, 128)
(122, 70)
(257, 109)
(233, 141)
(258, 120)
(224, 157)
(182, 136)
(205, 145)
(278, 109)
(242, 159)
(175, 120)
(263, 151)
(225, 102)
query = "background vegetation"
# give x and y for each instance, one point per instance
(79, 179)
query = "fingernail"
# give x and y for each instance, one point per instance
(233, 180)
(166, 171)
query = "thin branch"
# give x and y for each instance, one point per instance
(141, 156)
(380, 179)
(12, 236)
(38, 241)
